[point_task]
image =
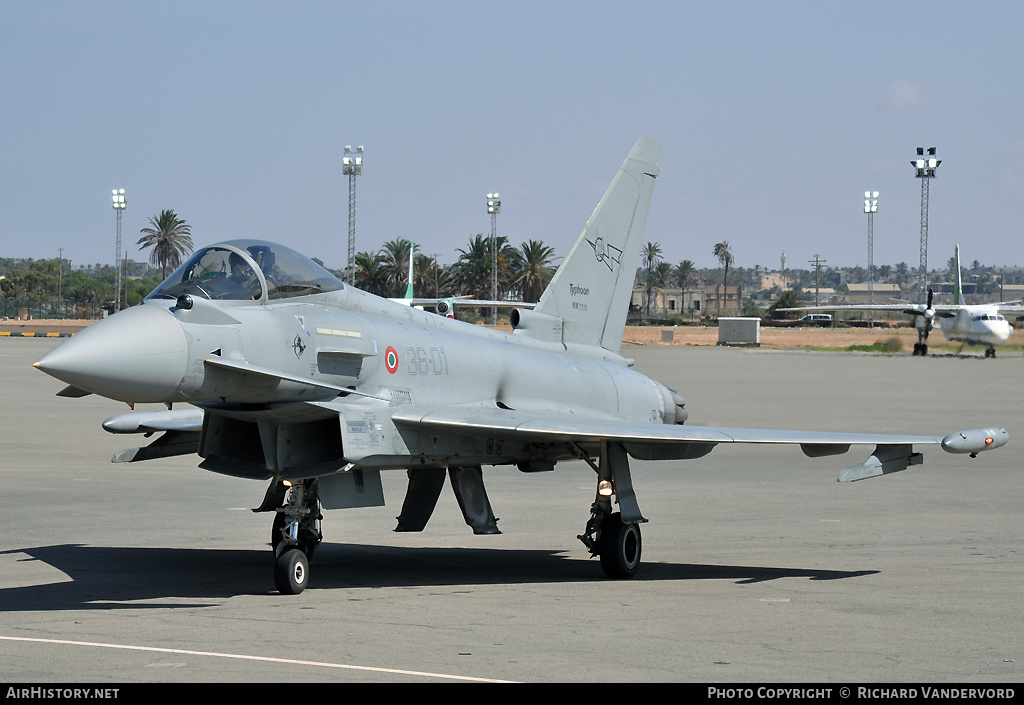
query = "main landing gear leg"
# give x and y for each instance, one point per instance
(614, 536)
(295, 536)
(921, 346)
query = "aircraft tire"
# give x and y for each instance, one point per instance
(291, 572)
(620, 547)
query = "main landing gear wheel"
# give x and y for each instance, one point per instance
(619, 547)
(291, 571)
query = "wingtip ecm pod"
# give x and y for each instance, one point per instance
(975, 441)
(896, 457)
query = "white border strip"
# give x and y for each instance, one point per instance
(320, 664)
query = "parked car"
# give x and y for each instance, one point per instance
(816, 319)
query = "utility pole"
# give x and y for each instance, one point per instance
(817, 262)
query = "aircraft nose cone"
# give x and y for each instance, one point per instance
(137, 355)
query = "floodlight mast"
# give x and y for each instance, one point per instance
(352, 166)
(925, 166)
(119, 203)
(870, 207)
(494, 207)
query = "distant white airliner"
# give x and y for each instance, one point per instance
(970, 324)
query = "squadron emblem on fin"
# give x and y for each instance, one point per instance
(606, 254)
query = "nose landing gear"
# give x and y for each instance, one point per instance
(295, 536)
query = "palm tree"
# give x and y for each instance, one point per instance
(662, 275)
(427, 276)
(396, 264)
(510, 266)
(684, 273)
(651, 253)
(472, 271)
(171, 240)
(536, 270)
(725, 257)
(370, 274)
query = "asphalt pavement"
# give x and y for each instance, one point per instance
(757, 565)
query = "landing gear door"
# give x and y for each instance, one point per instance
(367, 430)
(348, 490)
(361, 435)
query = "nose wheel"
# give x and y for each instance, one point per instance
(295, 535)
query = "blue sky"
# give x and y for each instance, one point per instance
(774, 118)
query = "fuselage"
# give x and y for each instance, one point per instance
(977, 325)
(291, 360)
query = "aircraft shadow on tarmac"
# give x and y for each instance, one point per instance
(134, 578)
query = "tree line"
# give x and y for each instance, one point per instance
(655, 272)
(523, 271)
(168, 237)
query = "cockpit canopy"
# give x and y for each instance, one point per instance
(242, 270)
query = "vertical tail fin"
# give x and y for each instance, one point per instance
(958, 297)
(591, 289)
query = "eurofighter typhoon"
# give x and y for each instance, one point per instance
(271, 369)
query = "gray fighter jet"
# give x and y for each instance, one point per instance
(293, 377)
